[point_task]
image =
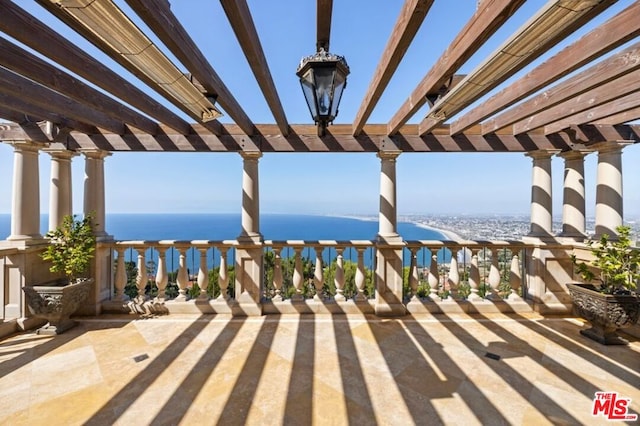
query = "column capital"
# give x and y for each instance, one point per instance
(61, 154)
(27, 145)
(542, 154)
(609, 146)
(97, 154)
(388, 154)
(250, 155)
(574, 154)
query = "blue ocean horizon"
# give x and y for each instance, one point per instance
(196, 226)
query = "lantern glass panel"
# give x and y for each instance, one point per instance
(324, 89)
(306, 81)
(340, 84)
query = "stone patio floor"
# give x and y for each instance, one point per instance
(354, 369)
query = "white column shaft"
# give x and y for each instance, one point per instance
(250, 195)
(94, 190)
(388, 226)
(25, 208)
(609, 211)
(573, 205)
(541, 194)
(60, 191)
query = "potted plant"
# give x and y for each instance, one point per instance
(612, 302)
(70, 250)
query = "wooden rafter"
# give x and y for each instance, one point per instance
(22, 62)
(552, 24)
(618, 106)
(409, 21)
(323, 24)
(47, 42)
(610, 35)
(158, 16)
(43, 97)
(622, 117)
(608, 70)
(242, 23)
(619, 88)
(487, 19)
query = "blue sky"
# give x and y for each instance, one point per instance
(323, 183)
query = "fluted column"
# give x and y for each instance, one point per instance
(60, 192)
(25, 207)
(94, 189)
(541, 194)
(609, 211)
(388, 226)
(250, 196)
(573, 210)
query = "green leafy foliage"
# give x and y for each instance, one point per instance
(616, 264)
(71, 246)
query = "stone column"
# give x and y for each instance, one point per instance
(389, 244)
(609, 212)
(94, 190)
(250, 196)
(249, 279)
(60, 192)
(541, 194)
(25, 208)
(388, 222)
(573, 209)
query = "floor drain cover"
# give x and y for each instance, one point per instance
(140, 357)
(492, 356)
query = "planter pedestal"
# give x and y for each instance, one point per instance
(606, 313)
(55, 302)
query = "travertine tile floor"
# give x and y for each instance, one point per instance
(313, 370)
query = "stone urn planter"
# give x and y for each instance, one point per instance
(56, 301)
(605, 312)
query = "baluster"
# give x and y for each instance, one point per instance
(161, 276)
(339, 278)
(277, 274)
(121, 276)
(494, 275)
(183, 276)
(298, 276)
(203, 275)
(360, 275)
(453, 279)
(515, 280)
(141, 278)
(223, 277)
(434, 279)
(318, 277)
(474, 276)
(413, 274)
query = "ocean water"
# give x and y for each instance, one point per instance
(227, 227)
(216, 227)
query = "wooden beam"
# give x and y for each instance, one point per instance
(620, 118)
(44, 98)
(24, 63)
(409, 21)
(552, 24)
(158, 16)
(616, 89)
(50, 44)
(610, 35)
(323, 24)
(484, 22)
(242, 23)
(17, 107)
(613, 108)
(607, 71)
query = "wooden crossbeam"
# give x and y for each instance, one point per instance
(621, 105)
(622, 117)
(42, 97)
(610, 35)
(409, 21)
(242, 23)
(630, 83)
(555, 22)
(323, 24)
(50, 44)
(608, 70)
(158, 16)
(484, 22)
(22, 62)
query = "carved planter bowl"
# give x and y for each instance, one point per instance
(56, 301)
(605, 312)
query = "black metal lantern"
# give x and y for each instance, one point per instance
(323, 77)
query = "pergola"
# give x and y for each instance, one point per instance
(540, 110)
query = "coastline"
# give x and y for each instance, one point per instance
(449, 235)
